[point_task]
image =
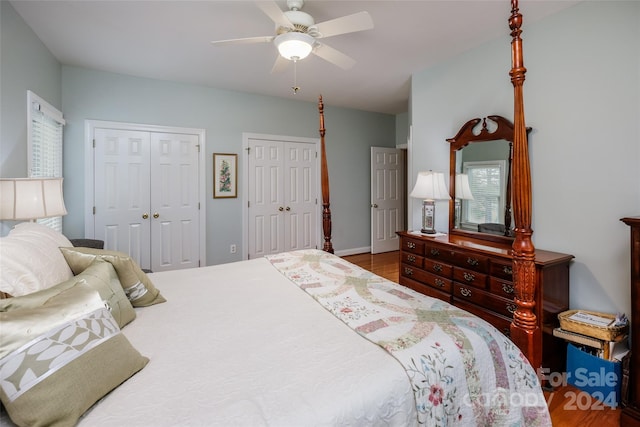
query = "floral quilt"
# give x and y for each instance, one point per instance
(463, 371)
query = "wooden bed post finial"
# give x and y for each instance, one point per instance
(525, 332)
(324, 177)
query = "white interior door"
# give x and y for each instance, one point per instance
(282, 196)
(174, 201)
(122, 192)
(146, 196)
(387, 198)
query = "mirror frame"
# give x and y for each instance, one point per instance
(464, 137)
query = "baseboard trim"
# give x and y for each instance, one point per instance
(354, 251)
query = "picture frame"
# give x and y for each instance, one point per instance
(225, 176)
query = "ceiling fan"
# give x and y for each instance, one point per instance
(297, 34)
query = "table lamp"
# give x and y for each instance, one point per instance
(430, 186)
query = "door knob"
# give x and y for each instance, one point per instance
(374, 205)
(280, 208)
(145, 215)
(288, 209)
(156, 215)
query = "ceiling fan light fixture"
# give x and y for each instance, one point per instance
(294, 45)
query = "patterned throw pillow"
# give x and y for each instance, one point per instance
(58, 359)
(135, 282)
(100, 276)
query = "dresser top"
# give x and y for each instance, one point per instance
(502, 250)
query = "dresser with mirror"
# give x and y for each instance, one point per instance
(472, 267)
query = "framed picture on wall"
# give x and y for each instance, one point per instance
(225, 175)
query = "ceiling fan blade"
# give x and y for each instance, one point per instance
(347, 24)
(273, 11)
(334, 56)
(279, 65)
(248, 40)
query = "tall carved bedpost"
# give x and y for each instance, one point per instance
(324, 177)
(524, 330)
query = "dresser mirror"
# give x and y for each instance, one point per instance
(480, 179)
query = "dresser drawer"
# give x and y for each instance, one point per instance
(471, 261)
(414, 246)
(485, 300)
(412, 259)
(438, 253)
(470, 277)
(502, 288)
(438, 268)
(420, 275)
(503, 270)
(424, 289)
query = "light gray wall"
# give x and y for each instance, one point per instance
(25, 64)
(225, 115)
(582, 98)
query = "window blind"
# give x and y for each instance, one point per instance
(486, 180)
(44, 144)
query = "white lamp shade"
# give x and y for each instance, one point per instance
(463, 189)
(31, 198)
(430, 186)
(294, 45)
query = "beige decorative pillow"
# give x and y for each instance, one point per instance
(58, 359)
(136, 284)
(99, 276)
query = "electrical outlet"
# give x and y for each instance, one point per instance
(232, 249)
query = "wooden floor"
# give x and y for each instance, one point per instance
(568, 405)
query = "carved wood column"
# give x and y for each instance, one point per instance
(324, 177)
(525, 332)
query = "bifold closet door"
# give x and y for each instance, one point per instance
(146, 196)
(282, 211)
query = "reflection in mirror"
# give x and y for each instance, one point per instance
(481, 187)
(480, 178)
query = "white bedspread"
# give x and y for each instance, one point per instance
(239, 344)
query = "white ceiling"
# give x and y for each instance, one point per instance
(170, 40)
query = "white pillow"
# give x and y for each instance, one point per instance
(30, 259)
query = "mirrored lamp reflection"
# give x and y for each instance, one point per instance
(31, 198)
(463, 192)
(430, 186)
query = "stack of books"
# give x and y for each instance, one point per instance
(599, 335)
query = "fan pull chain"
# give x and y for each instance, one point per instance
(295, 86)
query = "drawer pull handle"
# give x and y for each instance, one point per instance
(507, 269)
(465, 292)
(511, 308)
(437, 267)
(411, 245)
(440, 283)
(435, 251)
(469, 277)
(408, 271)
(411, 258)
(473, 261)
(507, 288)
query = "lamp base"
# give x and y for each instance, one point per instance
(423, 231)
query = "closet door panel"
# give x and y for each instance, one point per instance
(300, 190)
(121, 192)
(174, 201)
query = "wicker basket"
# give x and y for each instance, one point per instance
(609, 333)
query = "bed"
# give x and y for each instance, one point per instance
(297, 338)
